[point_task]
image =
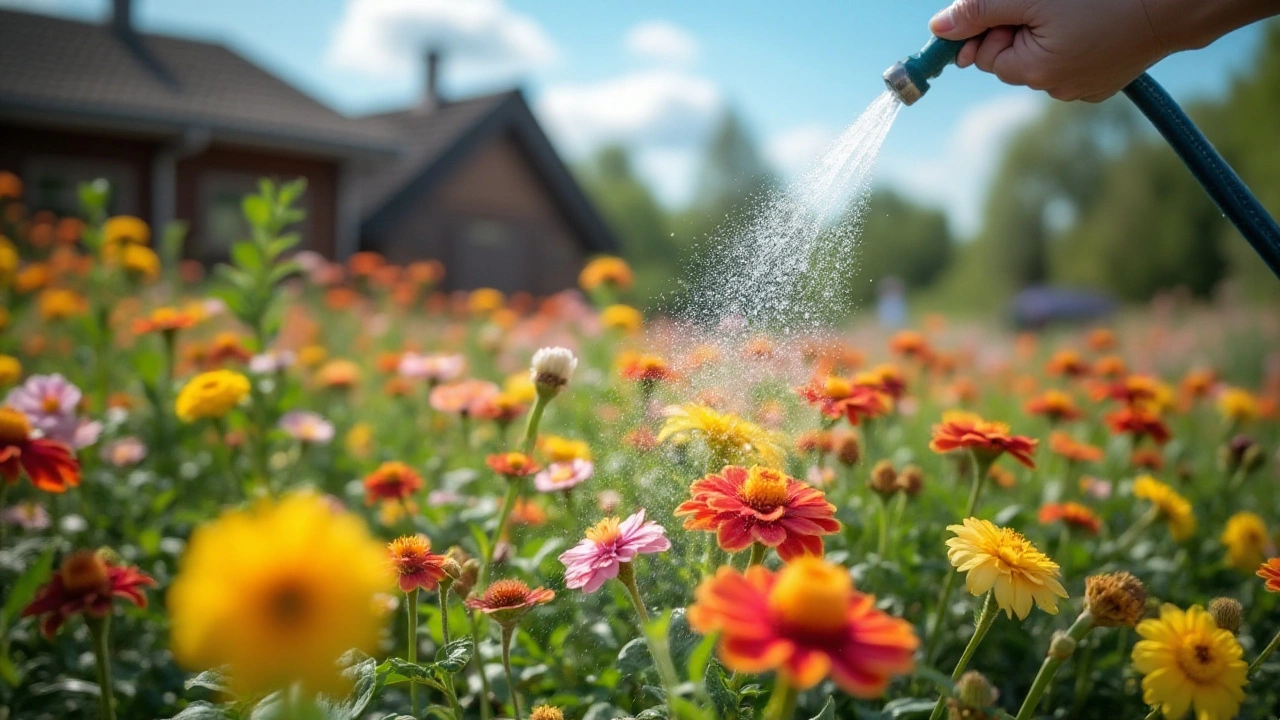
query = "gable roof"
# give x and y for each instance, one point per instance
(95, 74)
(438, 141)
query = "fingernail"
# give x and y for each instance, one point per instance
(943, 22)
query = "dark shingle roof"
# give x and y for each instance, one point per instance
(56, 67)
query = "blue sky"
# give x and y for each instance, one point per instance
(655, 74)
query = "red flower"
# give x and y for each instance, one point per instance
(760, 505)
(50, 465)
(988, 440)
(1068, 363)
(888, 379)
(1140, 423)
(85, 584)
(508, 600)
(836, 396)
(1072, 449)
(512, 464)
(391, 481)
(415, 565)
(910, 344)
(1054, 405)
(644, 368)
(805, 621)
(1073, 514)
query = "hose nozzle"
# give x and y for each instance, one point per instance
(909, 79)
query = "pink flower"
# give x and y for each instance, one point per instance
(51, 403)
(563, 475)
(271, 361)
(609, 544)
(432, 368)
(28, 515)
(124, 452)
(307, 427)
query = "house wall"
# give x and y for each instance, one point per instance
(211, 183)
(52, 162)
(493, 223)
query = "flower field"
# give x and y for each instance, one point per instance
(298, 489)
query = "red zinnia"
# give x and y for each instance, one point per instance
(508, 600)
(512, 464)
(415, 564)
(391, 481)
(86, 583)
(760, 505)
(888, 379)
(644, 369)
(49, 464)
(987, 439)
(1140, 423)
(1071, 513)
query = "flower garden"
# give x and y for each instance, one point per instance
(298, 489)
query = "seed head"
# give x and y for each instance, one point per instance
(1115, 599)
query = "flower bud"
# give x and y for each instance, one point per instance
(1115, 599)
(847, 448)
(84, 571)
(884, 479)
(1061, 646)
(1227, 613)
(466, 581)
(974, 692)
(911, 480)
(551, 369)
(546, 712)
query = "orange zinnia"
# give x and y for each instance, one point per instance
(988, 440)
(414, 563)
(164, 319)
(391, 481)
(888, 379)
(1068, 363)
(647, 369)
(910, 344)
(1140, 423)
(1072, 449)
(1054, 405)
(1071, 513)
(760, 505)
(49, 464)
(512, 464)
(807, 622)
(1270, 571)
(508, 600)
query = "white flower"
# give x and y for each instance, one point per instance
(552, 367)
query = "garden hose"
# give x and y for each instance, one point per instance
(909, 81)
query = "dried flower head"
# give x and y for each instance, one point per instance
(1227, 613)
(1115, 599)
(884, 479)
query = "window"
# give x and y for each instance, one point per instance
(220, 217)
(54, 183)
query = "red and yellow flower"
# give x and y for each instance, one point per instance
(512, 464)
(50, 465)
(1071, 514)
(1068, 447)
(414, 563)
(986, 439)
(1139, 422)
(86, 583)
(1067, 363)
(392, 480)
(1270, 572)
(508, 600)
(646, 369)
(1054, 405)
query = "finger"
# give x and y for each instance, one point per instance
(1017, 64)
(1099, 97)
(968, 52)
(966, 18)
(996, 41)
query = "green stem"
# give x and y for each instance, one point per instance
(412, 606)
(758, 551)
(98, 629)
(531, 428)
(1049, 668)
(1266, 653)
(782, 703)
(1154, 714)
(985, 620)
(513, 492)
(658, 650)
(1135, 530)
(883, 543)
(450, 691)
(975, 492)
(485, 712)
(443, 596)
(507, 633)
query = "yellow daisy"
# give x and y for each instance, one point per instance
(1188, 661)
(1173, 507)
(731, 439)
(211, 395)
(1002, 559)
(278, 592)
(1237, 405)
(1247, 540)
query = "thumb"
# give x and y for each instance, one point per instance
(968, 18)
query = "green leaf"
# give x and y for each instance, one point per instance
(247, 256)
(366, 682)
(828, 711)
(722, 697)
(202, 710)
(214, 681)
(393, 671)
(25, 587)
(291, 191)
(903, 707)
(257, 210)
(454, 657)
(634, 657)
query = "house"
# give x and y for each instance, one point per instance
(183, 129)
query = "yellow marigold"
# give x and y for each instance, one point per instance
(1237, 405)
(1247, 540)
(338, 374)
(1172, 506)
(611, 271)
(60, 304)
(520, 387)
(211, 395)
(622, 317)
(35, 276)
(278, 592)
(141, 262)
(483, 301)
(125, 229)
(560, 449)
(10, 370)
(8, 261)
(1002, 560)
(729, 438)
(1187, 662)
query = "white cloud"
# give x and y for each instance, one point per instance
(958, 178)
(794, 150)
(480, 40)
(662, 41)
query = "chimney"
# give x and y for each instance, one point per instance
(122, 16)
(431, 87)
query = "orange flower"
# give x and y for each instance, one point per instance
(51, 466)
(502, 408)
(807, 622)
(463, 397)
(888, 379)
(391, 481)
(512, 464)
(365, 263)
(1071, 513)
(760, 505)
(1147, 458)
(1198, 383)
(988, 440)
(165, 319)
(1072, 449)
(815, 442)
(1140, 423)
(415, 565)
(1067, 363)
(910, 344)
(338, 374)
(1002, 477)
(226, 347)
(528, 513)
(1135, 390)
(1270, 571)
(836, 396)
(425, 272)
(606, 271)
(647, 369)
(1054, 405)
(1110, 366)
(508, 600)
(1101, 340)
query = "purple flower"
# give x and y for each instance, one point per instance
(609, 544)
(51, 402)
(563, 475)
(28, 515)
(307, 427)
(124, 452)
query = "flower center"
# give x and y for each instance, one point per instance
(1199, 661)
(605, 531)
(83, 571)
(288, 604)
(410, 553)
(811, 596)
(51, 404)
(837, 388)
(765, 489)
(14, 426)
(507, 593)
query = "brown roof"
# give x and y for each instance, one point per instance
(53, 67)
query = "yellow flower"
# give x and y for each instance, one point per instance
(1237, 405)
(312, 355)
(278, 592)
(141, 262)
(211, 395)
(731, 439)
(520, 387)
(10, 370)
(8, 261)
(1188, 661)
(1174, 508)
(1248, 543)
(125, 229)
(611, 271)
(559, 449)
(621, 317)
(359, 440)
(60, 304)
(483, 301)
(1002, 559)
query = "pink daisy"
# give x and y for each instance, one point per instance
(563, 475)
(609, 544)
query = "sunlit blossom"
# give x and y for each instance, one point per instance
(306, 426)
(1172, 506)
(1187, 663)
(564, 475)
(86, 583)
(1002, 560)
(608, 544)
(729, 438)
(986, 439)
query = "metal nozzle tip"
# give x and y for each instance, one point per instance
(899, 82)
